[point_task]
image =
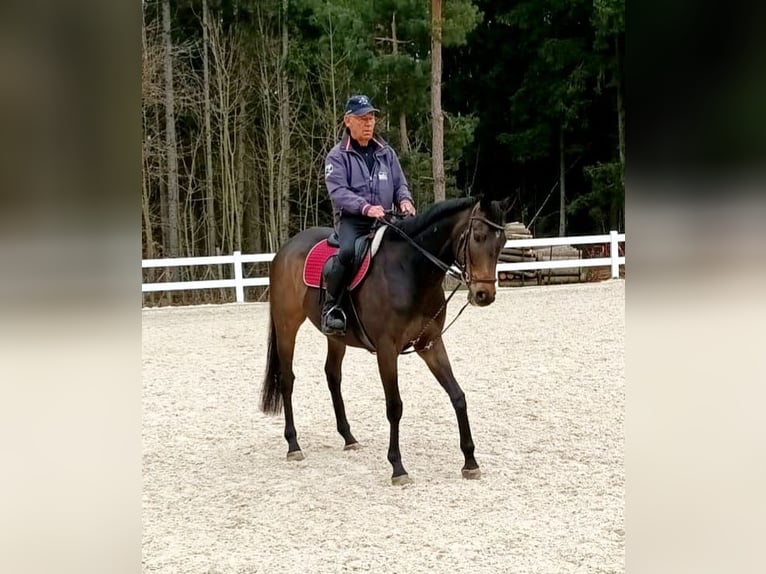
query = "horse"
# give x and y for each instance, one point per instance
(400, 303)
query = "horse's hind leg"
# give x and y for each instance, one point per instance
(438, 362)
(332, 368)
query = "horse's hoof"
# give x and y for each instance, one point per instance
(471, 473)
(401, 480)
(295, 455)
(352, 446)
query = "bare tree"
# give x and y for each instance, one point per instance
(562, 184)
(284, 133)
(274, 116)
(620, 103)
(231, 83)
(153, 149)
(170, 135)
(266, 147)
(614, 212)
(240, 165)
(211, 239)
(147, 73)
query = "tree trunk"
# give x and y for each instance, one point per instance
(146, 181)
(210, 240)
(151, 273)
(404, 142)
(170, 135)
(620, 105)
(162, 182)
(562, 184)
(437, 148)
(333, 120)
(267, 147)
(146, 206)
(188, 229)
(614, 212)
(240, 169)
(223, 49)
(284, 135)
(255, 243)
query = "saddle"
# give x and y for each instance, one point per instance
(364, 250)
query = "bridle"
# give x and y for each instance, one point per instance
(464, 246)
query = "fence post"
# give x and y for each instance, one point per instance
(238, 287)
(614, 253)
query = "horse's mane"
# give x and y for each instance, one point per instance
(412, 226)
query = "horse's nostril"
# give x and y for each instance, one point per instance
(481, 296)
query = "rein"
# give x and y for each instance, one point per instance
(430, 343)
(432, 258)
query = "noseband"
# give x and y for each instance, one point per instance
(464, 247)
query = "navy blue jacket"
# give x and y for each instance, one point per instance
(353, 188)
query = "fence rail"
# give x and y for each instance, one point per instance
(239, 282)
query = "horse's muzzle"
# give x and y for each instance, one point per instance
(481, 297)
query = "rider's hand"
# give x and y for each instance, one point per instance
(376, 211)
(406, 207)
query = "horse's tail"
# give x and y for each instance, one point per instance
(271, 393)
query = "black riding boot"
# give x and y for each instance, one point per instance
(333, 316)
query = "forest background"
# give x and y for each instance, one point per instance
(241, 101)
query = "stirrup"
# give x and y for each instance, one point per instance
(334, 313)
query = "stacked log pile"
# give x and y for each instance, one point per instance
(563, 275)
(516, 230)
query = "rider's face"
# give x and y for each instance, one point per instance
(361, 127)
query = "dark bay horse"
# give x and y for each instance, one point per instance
(400, 303)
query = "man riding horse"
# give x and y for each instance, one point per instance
(364, 179)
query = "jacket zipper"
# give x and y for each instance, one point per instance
(372, 175)
(364, 165)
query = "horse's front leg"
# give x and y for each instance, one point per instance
(438, 362)
(336, 350)
(387, 365)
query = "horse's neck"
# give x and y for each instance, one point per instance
(442, 238)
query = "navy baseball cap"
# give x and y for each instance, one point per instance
(359, 105)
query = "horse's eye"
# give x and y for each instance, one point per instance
(478, 238)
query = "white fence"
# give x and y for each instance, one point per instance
(239, 282)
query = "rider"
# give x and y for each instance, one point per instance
(364, 179)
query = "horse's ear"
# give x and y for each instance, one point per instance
(484, 202)
(506, 205)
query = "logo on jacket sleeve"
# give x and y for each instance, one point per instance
(327, 170)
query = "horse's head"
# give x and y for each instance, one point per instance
(479, 248)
